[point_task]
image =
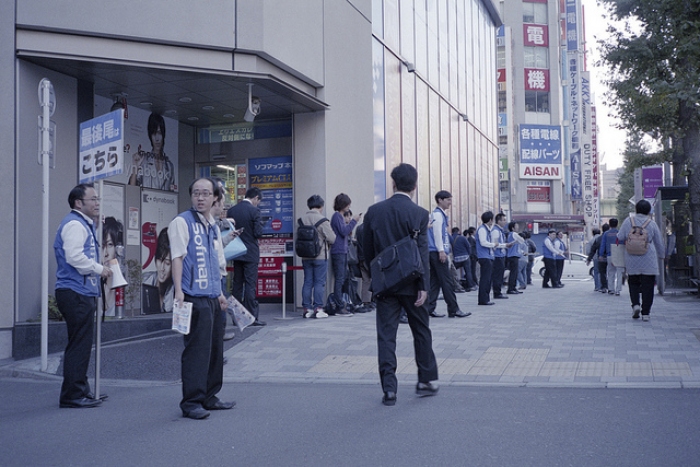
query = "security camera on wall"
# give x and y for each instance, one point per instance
(253, 105)
(253, 109)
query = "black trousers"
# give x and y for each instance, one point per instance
(79, 313)
(513, 266)
(642, 284)
(441, 278)
(245, 280)
(603, 272)
(485, 280)
(388, 312)
(560, 268)
(550, 271)
(499, 267)
(202, 370)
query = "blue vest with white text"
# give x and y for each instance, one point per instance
(500, 252)
(67, 277)
(483, 251)
(514, 250)
(546, 252)
(201, 276)
(445, 237)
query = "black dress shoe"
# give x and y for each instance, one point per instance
(487, 303)
(500, 297)
(197, 414)
(91, 395)
(257, 322)
(82, 403)
(512, 292)
(221, 405)
(427, 389)
(545, 286)
(558, 286)
(435, 314)
(460, 314)
(389, 398)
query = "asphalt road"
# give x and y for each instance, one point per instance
(346, 425)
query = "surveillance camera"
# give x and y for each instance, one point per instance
(253, 109)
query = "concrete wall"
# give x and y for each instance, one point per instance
(29, 175)
(207, 24)
(7, 175)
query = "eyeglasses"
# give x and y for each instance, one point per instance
(94, 200)
(203, 194)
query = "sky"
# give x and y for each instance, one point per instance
(611, 141)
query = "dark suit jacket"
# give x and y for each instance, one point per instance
(389, 221)
(248, 216)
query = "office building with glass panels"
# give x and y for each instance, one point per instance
(296, 98)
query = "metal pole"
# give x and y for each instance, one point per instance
(45, 125)
(284, 291)
(98, 315)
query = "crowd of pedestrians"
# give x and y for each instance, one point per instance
(452, 261)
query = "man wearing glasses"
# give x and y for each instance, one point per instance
(78, 275)
(194, 240)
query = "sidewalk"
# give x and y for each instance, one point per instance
(570, 337)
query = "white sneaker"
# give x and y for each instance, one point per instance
(645, 317)
(636, 309)
(321, 314)
(308, 313)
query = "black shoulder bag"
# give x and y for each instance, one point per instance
(396, 266)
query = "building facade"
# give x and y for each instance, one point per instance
(547, 143)
(296, 98)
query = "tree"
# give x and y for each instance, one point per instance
(654, 57)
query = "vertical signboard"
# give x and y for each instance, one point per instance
(587, 162)
(596, 178)
(573, 70)
(273, 175)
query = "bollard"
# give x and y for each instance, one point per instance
(284, 291)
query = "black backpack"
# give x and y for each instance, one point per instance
(307, 243)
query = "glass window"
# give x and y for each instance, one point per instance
(536, 57)
(501, 57)
(536, 101)
(535, 13)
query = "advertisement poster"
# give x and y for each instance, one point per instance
(540, 152)
(101, 147)
(158, 208)
(150, 148)
(273, 175)
(112, 241)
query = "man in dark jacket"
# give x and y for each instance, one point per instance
(245, 268)
(386, 223)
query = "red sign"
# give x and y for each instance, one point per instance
(270, 276)
(538, 194)
(535, 35)
(536, 79)
(501, 75)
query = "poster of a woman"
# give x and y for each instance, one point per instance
(112, 248)
(160, 280)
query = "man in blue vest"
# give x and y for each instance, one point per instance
(484, 252)
(550, 253)
(498, 235)
(78, 273)
(439, 247)
(194, 243)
